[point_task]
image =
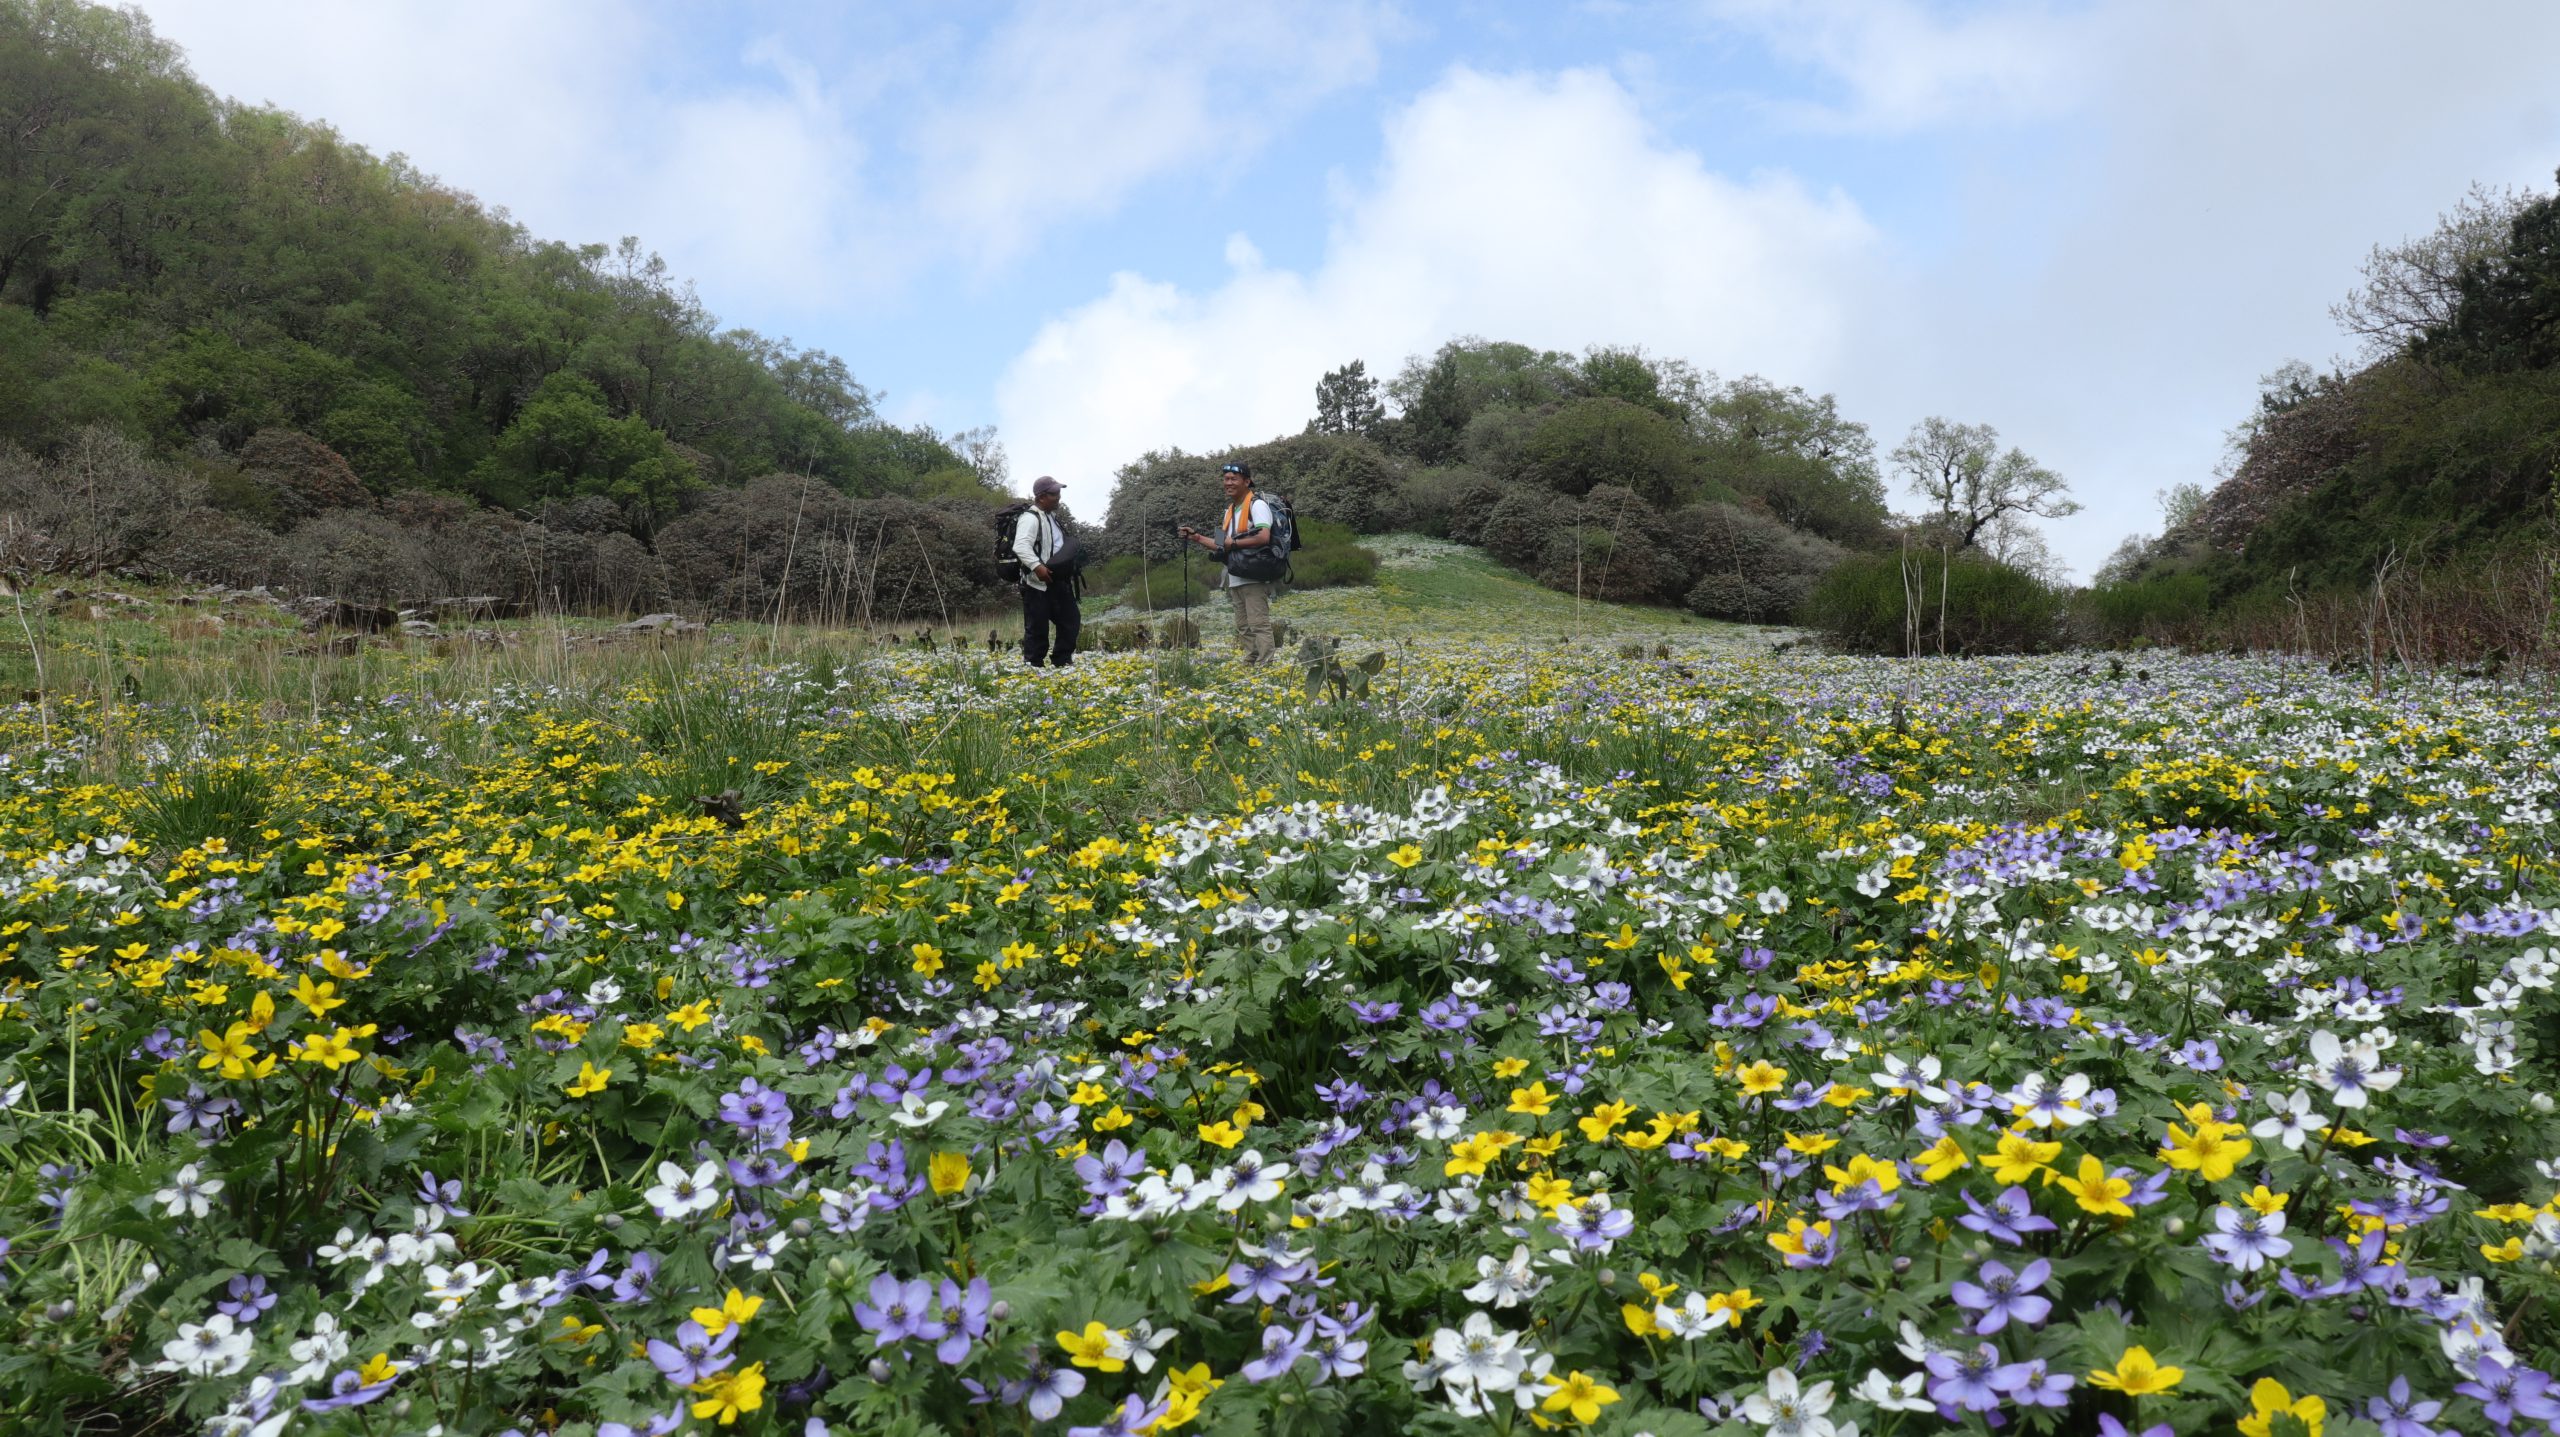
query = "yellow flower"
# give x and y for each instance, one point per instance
(1604, 1120)
(1510, 1067)
(949, 1172)
(1194, 1379)
(1943, 1158)
(737, 1307)
(2096, 1191)
(1734, 1303)
(2509, 1251)
(1222, 1133)
(2136, 1375)
(1579, 1395)
(691, 1015)
(728, 1395)
(2270, 1399)
(1533, 1100)
(1861, 1169)
(2266, 1203)
(1406, 856)
(377, 1370)
(675, 901)
(2210, 1152)
(1639, 1318)
(1761, 1076)
(1547, 1190)
(928, 959)
(228, 1050)
(1470, 1154)
(590, 1080)
(1793, 1242)
(1812, 1145)
(318, 997)
(2019, 1157)
(1113, 1120)
(1092, 1347)
(332, 1050)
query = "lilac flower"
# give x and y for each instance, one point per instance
(2399, 1414)
(1975, 1381)
(442, 1196)
(694, 1355)
(2248, 1238)
(761, 1170)
(248, 1298)
(2041, 1388)
(2010, 1217)
(347, 1389)
(2506, 1393)
(2001, 1295)
(1282, 1346)
(1044, 1390)
(2109, 1426)
(898, 1312)
(1592, 1225)
(1112, 1171)
(633, 1285)
(756, 1108)
(657, 1426)
(964, 1313)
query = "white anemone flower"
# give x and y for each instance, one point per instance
(1907, 1395)
(211, 1348)
(2352, 1072)
(680, 1194)
(914, 1112)
(189, 1193)
(2292, 1122)
(1789, 1409)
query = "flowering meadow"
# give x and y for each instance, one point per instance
(1549, 1040)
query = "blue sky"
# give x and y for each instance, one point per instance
(1105, 228)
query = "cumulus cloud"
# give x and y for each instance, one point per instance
(1072, 106)
(1534, 208)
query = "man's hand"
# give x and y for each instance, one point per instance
(1041, 571)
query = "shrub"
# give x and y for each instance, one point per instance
(1332, 566)
(1972, 605)
(1593, 442)
(1449, 503)
(100, 505)
(361, 557)
(2160, 607)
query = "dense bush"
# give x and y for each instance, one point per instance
(1879, 603)
(2164, 606)
(1748, 566)
(104, 503)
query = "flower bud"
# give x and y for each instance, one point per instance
(999, 1310)
(836, 1268)
(879, 1370)
(2542, 1102)
(612, 1222)
(2174, 1226)
(800, 1227)
(1608, 1277)
(1901, 1265)
(60, 1311)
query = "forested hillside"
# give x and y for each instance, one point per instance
(290, 359)
(2425, 472)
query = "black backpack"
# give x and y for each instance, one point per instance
(1269, 562)
(1068, 560)
(1008, 564)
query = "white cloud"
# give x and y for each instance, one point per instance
(1538, 209)
(1072, 106)
(1903, 64)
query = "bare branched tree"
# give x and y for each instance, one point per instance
(2411, 287)
(1970, 485)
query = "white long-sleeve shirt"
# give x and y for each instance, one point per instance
(1036, 536)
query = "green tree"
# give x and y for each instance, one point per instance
(1795, 453)
(1347, 402)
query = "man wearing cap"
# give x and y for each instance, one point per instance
(1048, 555)
(1245, 525)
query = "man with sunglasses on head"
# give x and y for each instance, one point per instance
(1245, 526)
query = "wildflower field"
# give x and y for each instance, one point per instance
(1529, 1039)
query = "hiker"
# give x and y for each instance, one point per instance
(1049, 559)
(1245, 526)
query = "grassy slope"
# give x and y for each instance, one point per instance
(1429, 588)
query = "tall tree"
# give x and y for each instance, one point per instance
(2412, 287)
(1960, 471)
(1348, 402)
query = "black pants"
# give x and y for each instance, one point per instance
(1042, 609)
